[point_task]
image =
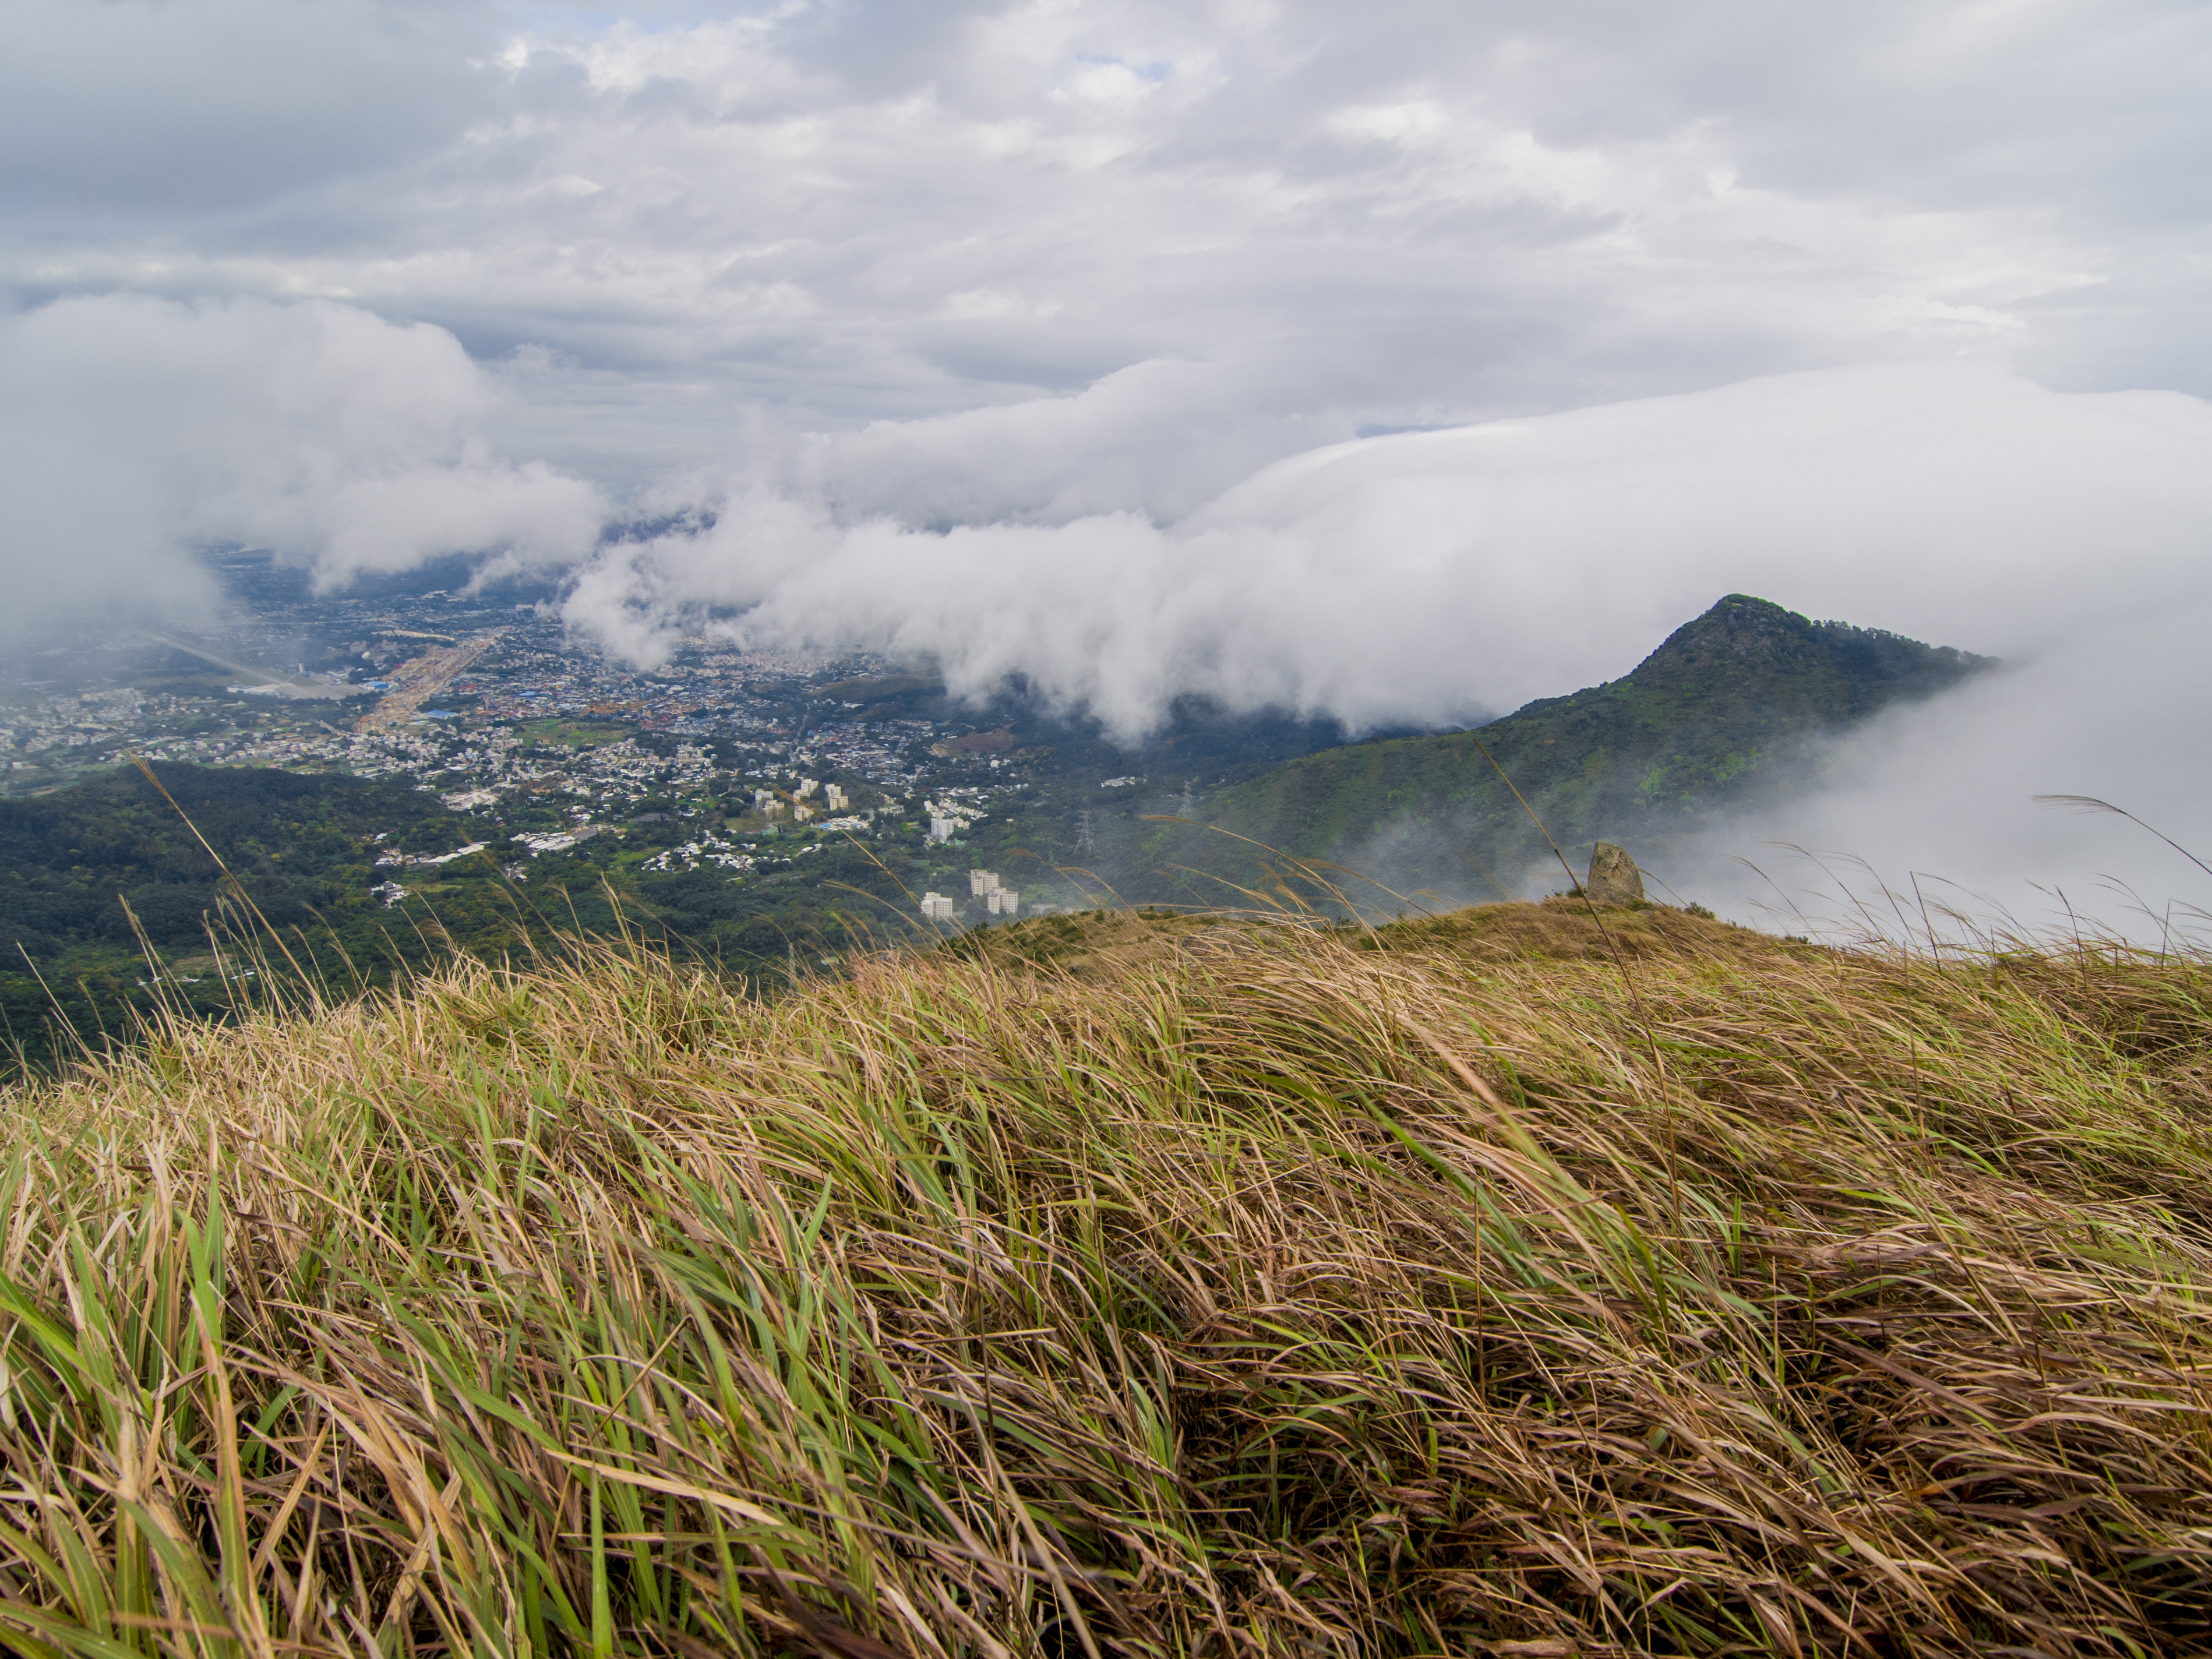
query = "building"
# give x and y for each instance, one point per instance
(936, 907)
(1003, 901)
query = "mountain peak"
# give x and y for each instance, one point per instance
(1735, 706)
(1745, 648)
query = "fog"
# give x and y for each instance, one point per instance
(1435, 578)
(1928, 825)
(1429, 577)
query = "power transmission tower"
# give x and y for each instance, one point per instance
(1189, 801)
(1084, 840)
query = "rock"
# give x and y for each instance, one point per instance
(1613, 876)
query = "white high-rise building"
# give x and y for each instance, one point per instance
(936, 907)
(981, 881)
(942, 829)
(1003, 901)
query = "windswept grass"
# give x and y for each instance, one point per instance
(1280, 1292)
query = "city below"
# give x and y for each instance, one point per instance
(739, 760)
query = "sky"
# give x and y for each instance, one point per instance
(1403, 361)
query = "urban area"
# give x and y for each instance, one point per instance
(738, 762)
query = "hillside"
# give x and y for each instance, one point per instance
(1117, 1286)
(77, 865)
(1731, 709)
(317, 854)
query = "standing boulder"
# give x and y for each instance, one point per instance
(1613, 876)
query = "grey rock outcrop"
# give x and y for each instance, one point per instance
(1613, 876)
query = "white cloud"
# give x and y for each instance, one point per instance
(1927, 821)
(1429, 576)
(132, 429)
(1157, 438)
(876, 211)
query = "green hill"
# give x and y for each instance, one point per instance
(1733, 709)
(89, 871)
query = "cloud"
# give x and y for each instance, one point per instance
(1429, 576)
(1159, 438)
(1437, 577)
(134, 114)
(133, 428)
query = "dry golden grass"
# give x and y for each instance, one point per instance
(1281, 1291)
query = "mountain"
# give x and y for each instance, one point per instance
(1733, 708)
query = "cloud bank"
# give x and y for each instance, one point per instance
(679, 227)
(1431, 576)
(1439, 577)
(1928, 822)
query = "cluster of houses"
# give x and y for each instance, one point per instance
(999, 899)
(948, 818)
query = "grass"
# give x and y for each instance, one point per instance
(1250, 1292)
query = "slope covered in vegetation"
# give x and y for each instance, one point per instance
(97, 876)
(92, 875)
(1526, 1282)
(1733, 707)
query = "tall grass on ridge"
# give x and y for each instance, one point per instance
(1274, 1292)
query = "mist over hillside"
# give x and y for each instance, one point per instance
(1739, 709)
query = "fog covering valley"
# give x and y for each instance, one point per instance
(1436, 580)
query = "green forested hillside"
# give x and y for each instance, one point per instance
(298, 843)
(1732, 707)
(303, 847)
(306, 849)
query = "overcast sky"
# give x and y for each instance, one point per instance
(1085, 285)
(664, 227)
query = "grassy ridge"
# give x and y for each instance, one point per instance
(1246, 1292)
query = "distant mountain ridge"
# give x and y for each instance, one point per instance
(1733, 707)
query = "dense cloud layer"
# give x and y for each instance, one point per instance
(698, 225)
(1429, 576)
(1929, 824)
(1438, 576)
